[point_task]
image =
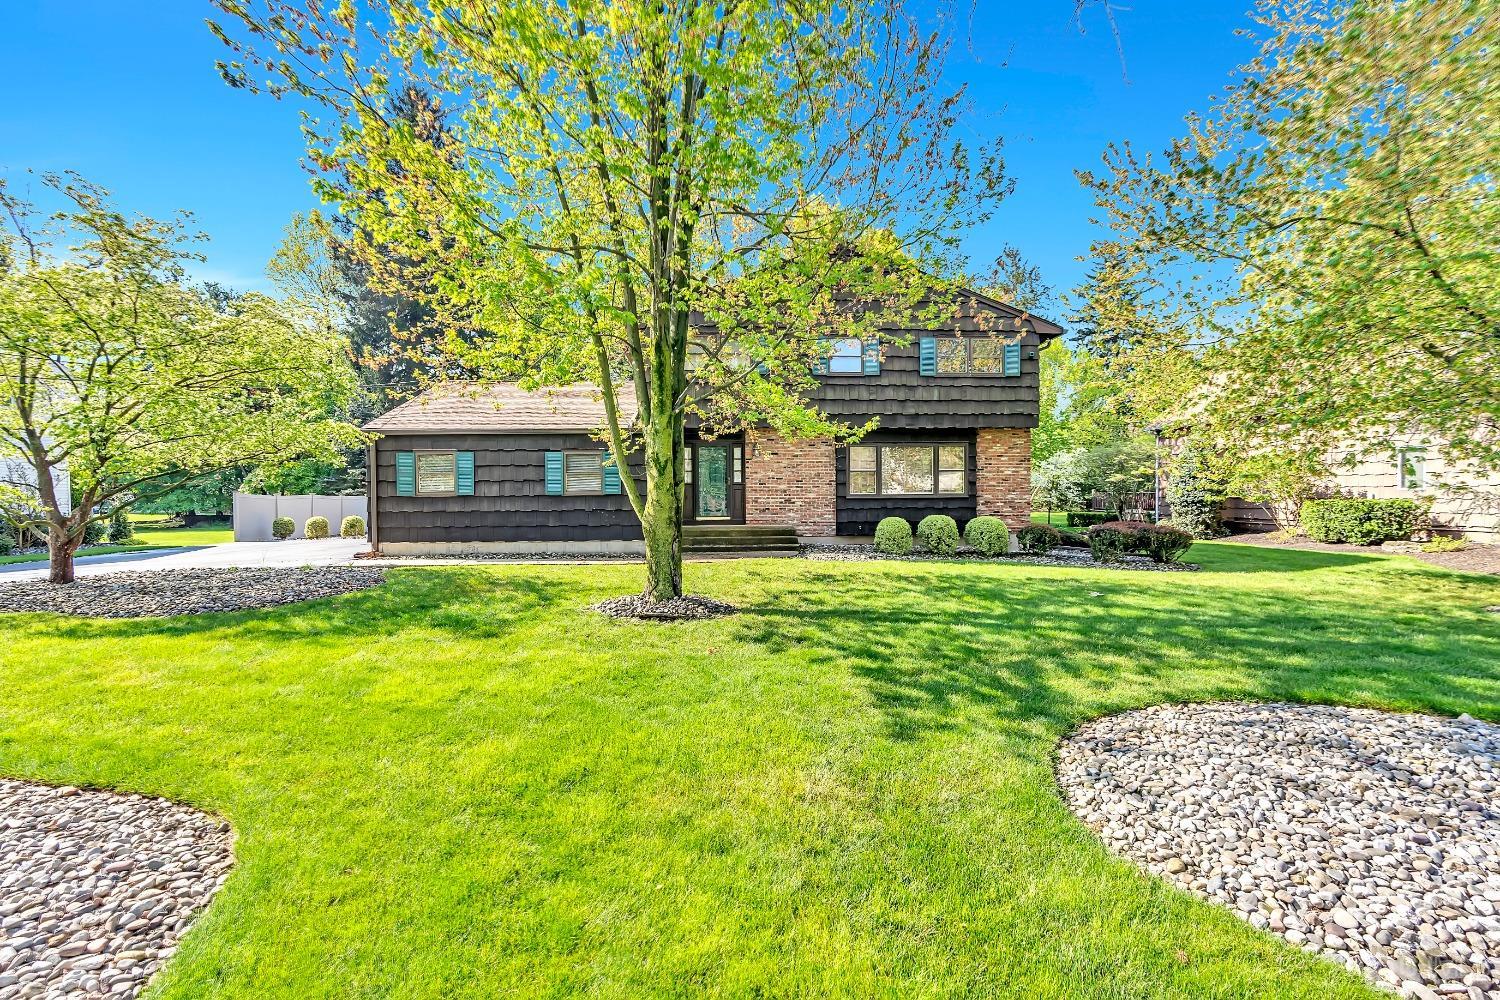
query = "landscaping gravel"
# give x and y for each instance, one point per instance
(1371, 838)
(161, 593)
(1057, 557)
(688, 606)
(97, 888)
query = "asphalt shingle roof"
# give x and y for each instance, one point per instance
(503, 408)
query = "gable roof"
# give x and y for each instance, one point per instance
(503, 408)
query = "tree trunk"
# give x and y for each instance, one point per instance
(60, 548)
(661, 522)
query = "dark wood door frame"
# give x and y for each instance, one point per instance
(734, 467)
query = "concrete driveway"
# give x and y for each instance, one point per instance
(298, 552)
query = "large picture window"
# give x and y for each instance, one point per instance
(908, 470)
(437, 473)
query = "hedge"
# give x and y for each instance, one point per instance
(1088, 518)
(1359, 521)
(1038, 539)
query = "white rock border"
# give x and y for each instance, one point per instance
(1369, 837)
(97, 888)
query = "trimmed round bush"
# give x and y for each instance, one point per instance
(1038, 539)
(352, 526)
(988, 535)
(938, 534)
(1112, 539)
(283, 528)
(1164, 543)
(893, 536)
(316, 527)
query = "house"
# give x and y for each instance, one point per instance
(496, 468)
(18, 480)
(1464, 501)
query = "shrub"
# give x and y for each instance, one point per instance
(94, 532)
(1443, 543)
(316, 527)
(1072, 539)
(893, 536)
(1112, 539)
(1195, 496)
(283, 528)
(1088, 518)
(938, 534)
(120, 528)
(988, 535)
(1039, 539)
(1359, 521)
(1164, 543)
(352, 526)
(7, 540)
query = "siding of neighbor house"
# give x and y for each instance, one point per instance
(509, 502)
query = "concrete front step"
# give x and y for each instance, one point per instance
(739, 538)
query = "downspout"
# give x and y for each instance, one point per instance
(372, 492)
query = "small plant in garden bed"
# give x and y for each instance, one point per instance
(1111, 540)
(352, 526)
(987, 535)
(1443, 543)
(938, 534)
(283, 528)
(1038, 539)
(893, 536)
(316, 527)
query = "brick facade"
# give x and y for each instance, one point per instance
(1003, 474)
(790, 482)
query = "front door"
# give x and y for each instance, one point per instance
(715, 488)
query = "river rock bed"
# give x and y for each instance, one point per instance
(1071, 558)
(96, 888)
(1370, 838)
(685, 608)
(161, 593)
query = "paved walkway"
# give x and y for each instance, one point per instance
(300, 552)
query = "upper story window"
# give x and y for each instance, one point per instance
(848, 357)
(980, 355)
(437, 473)
(1411, 468)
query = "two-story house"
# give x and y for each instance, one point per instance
(498, 469)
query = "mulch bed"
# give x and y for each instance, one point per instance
(163, 593)
(1473, 558)
(688, 607)
(1057, 557)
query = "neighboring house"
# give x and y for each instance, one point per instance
(1412, 466)
(19, 474)
(495, 468)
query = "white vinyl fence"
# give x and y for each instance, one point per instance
(254, 512)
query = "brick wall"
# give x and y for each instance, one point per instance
(1003, 474)
(790, 482)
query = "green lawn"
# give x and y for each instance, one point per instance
(150, 533)
(464, 784)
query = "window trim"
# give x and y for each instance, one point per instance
(969, 372)
(568, 453)
(858, 357)
(937, 469)
(416, 471)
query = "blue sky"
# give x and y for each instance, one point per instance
(127, 94)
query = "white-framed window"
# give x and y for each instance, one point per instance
(1411, 468)
(908, 470)
(437, 473)
(583, 472)
(848, 357)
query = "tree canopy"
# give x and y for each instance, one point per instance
(115, 366)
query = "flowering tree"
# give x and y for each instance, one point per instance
(609, 175)
(113, 366)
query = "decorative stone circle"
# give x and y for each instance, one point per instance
(166, 592)
(97, 888)
(1370, 838)
(686, 607)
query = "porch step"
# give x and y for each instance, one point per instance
(739, 538)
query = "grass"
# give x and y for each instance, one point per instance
(151, 533)
(464, 784)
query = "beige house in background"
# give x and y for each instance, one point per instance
(1413, 467)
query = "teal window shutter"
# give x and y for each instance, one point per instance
(872, 357)
(1012, 359)
(611, 474)
(927, 355)
(406, 474)
(554, 474)
(463, 473)
(820, 366)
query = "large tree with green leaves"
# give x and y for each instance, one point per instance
(612, 174)
(114, 366)
(1329, 236)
